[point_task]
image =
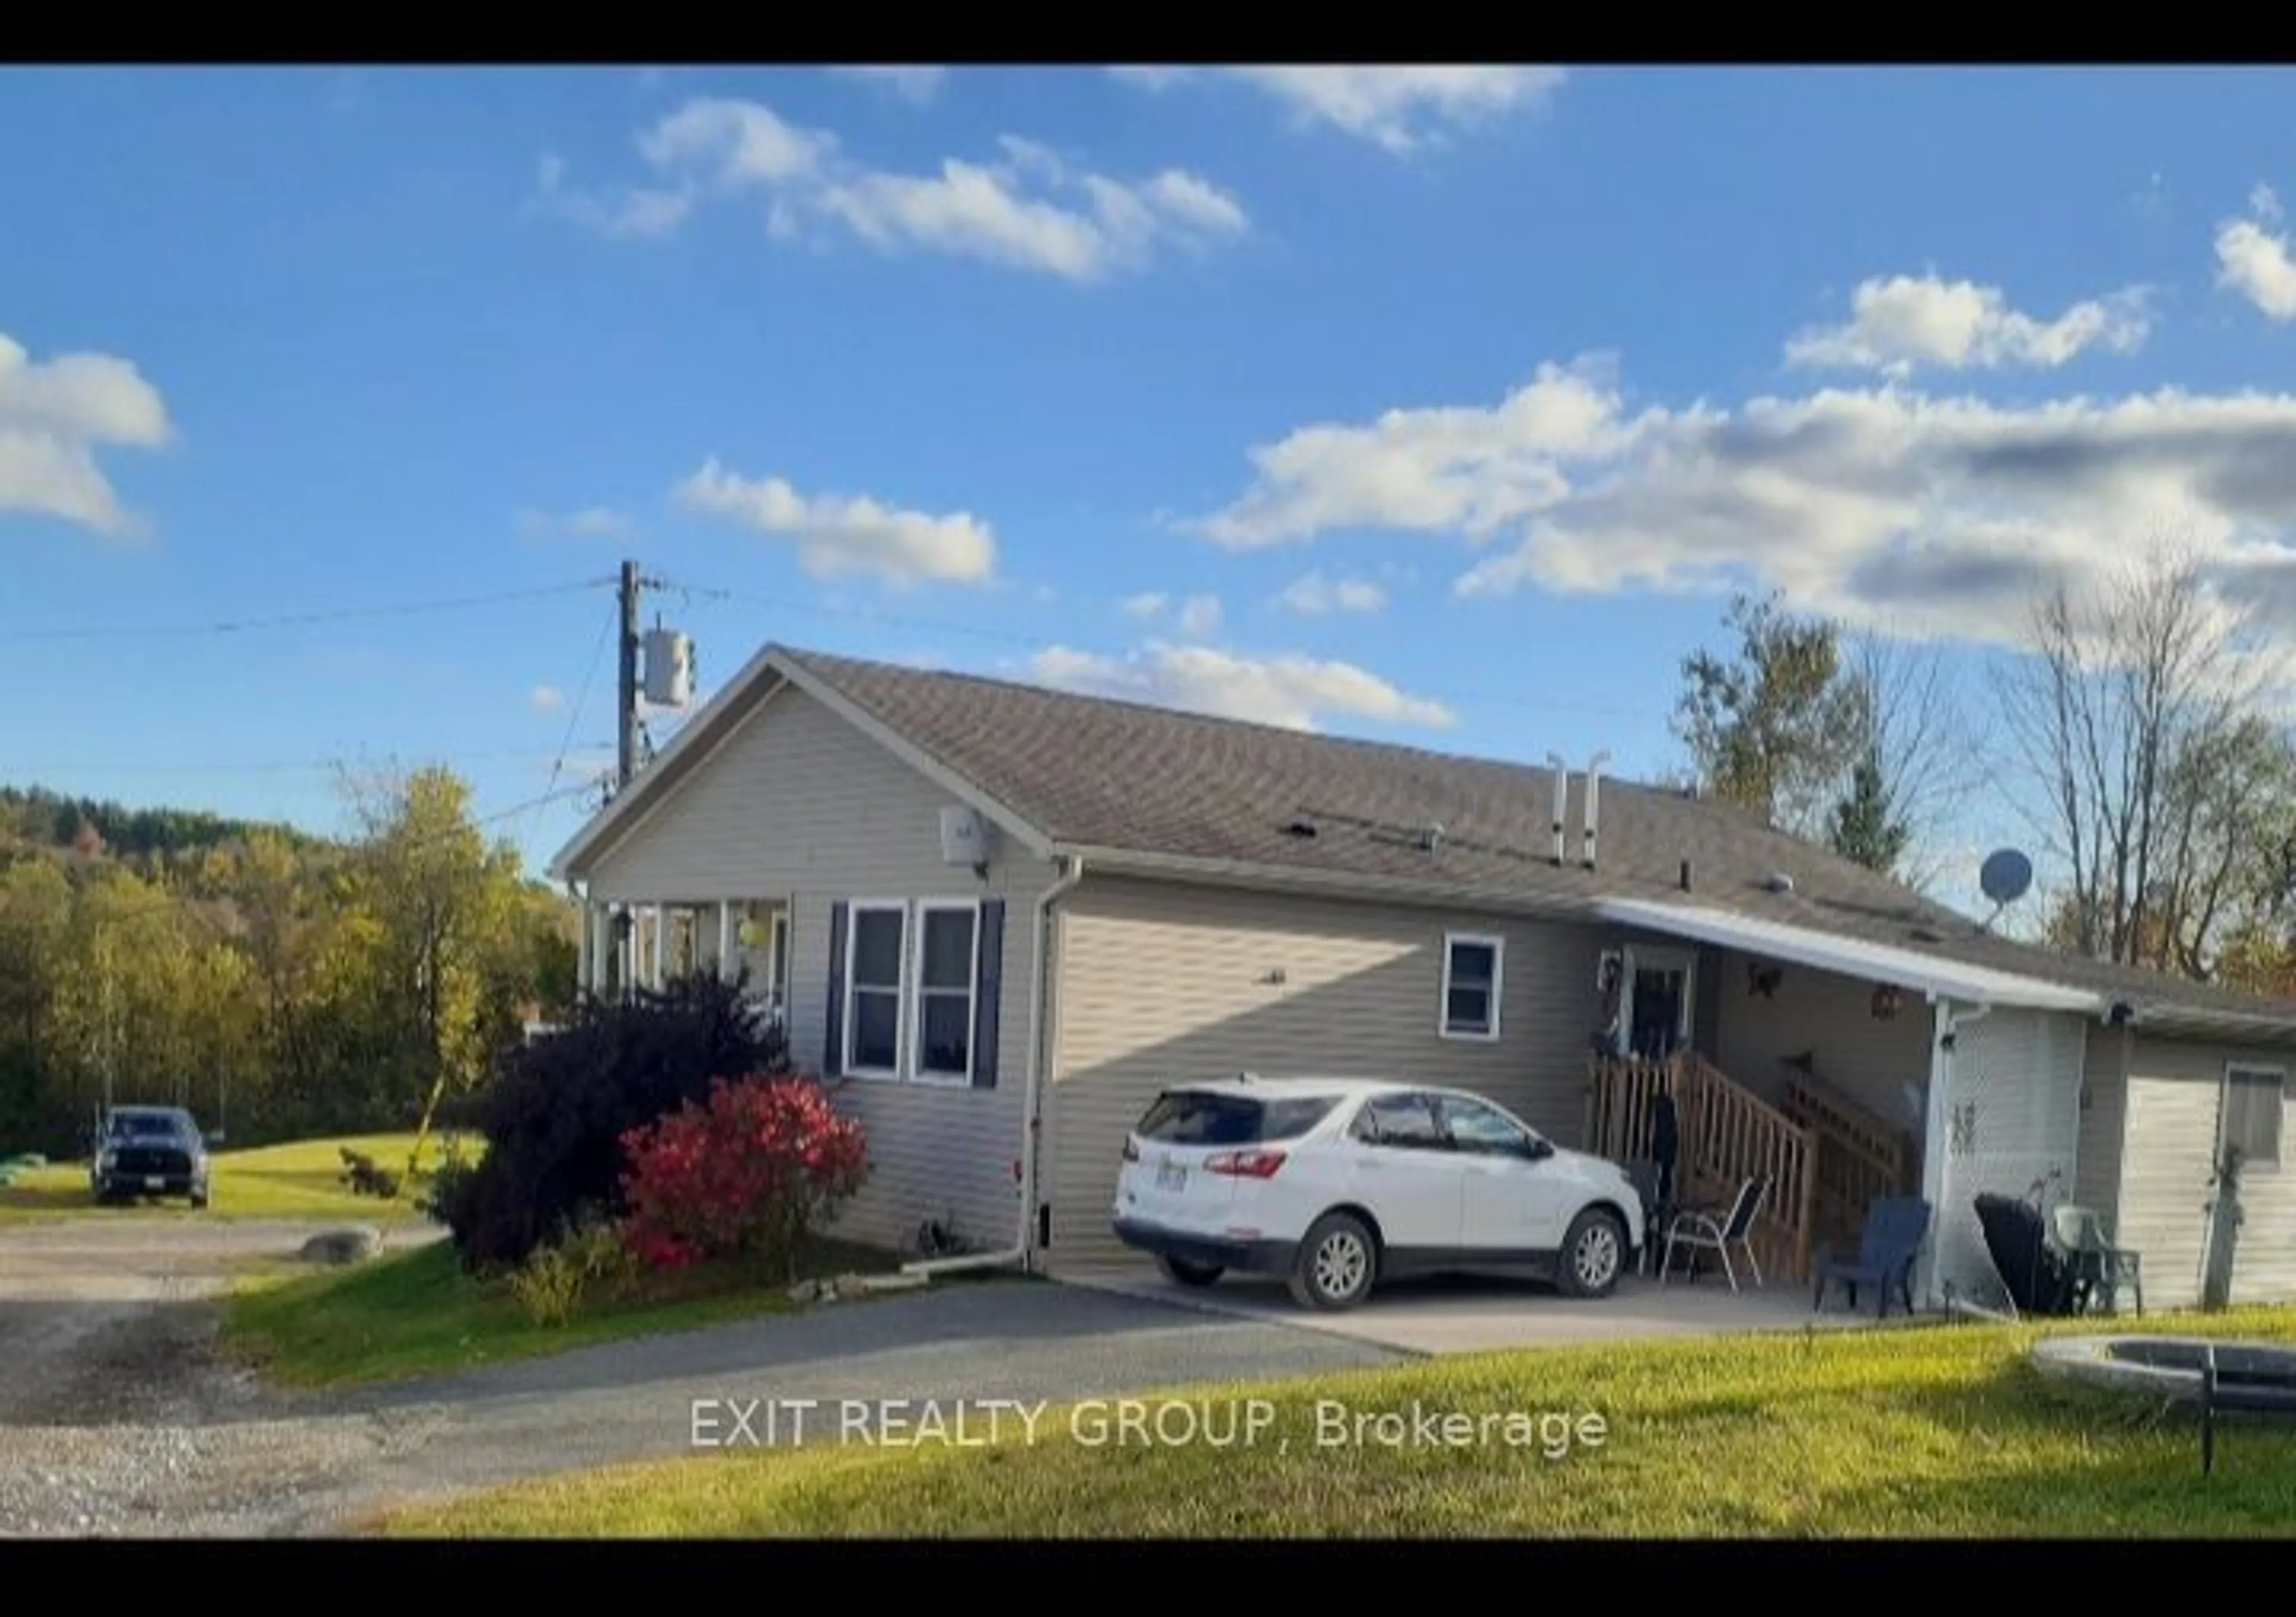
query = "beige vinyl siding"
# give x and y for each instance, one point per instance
(1164, 981)
(2103, 1118)
(2013, 1108)
(797, 803)
(2175, 1088)
(1865, 1058)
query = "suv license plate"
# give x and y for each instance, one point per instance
(154, 1182)
(1171, 1176)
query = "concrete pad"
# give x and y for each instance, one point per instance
(1471, 1314)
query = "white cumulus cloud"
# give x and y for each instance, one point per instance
(1918, 512)
(546, 698)
(1297, 692)
(1027, 206)
(1147, 603)
(55, 415)
(1901, 324)
(2253, 258)
(1402, 109)
(839, 536)
(1313, 594)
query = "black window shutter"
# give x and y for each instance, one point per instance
(988, 992)
(832, 1044)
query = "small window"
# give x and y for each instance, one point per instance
(1198, 1116)
(873, 990)
(1471, 986)
(2254, 1099)
(1405, 1123)
(947, 946)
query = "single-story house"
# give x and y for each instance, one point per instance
(999, 918)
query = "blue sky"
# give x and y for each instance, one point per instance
(1444, 405)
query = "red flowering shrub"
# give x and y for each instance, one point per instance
(742, 1174)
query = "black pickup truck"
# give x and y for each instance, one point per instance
(149, 1151)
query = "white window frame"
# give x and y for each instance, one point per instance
(2279, 1077)
(1498, 945)
(914, 1069)
(854, 909)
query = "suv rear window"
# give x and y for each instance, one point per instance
(1195, 1117)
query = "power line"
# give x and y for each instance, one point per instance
(581, 700)
(789, 604)
(295, 765)
(186, 903)
(239, 626)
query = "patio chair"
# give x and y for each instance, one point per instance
(1719, 1232)
(2099, 1265)
(1895, 1229)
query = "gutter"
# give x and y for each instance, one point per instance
(1040, 1060)
(2171, 1019)
(1288, 878)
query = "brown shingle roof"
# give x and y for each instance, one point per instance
(1094, 772)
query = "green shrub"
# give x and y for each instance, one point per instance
(555, 1112)
(548, 1286)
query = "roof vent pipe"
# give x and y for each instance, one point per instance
(1594, 789)
(1686, 876)
(1562, 800)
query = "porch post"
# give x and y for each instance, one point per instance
(726, 971)
(1937, 1126)
(584, 943)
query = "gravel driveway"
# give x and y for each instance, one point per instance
(117, 1417)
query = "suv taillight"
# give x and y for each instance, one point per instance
(1131, 1149)
(1245, 1164)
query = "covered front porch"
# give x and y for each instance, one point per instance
(1842, 1073)
(627, 948)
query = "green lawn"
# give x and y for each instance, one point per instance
(293, 1181)
(1914, 1431)
(417, 1312)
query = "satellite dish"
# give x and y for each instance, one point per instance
(2006, 877)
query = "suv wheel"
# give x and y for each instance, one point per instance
(1593, 1254)
(199, 1196)
(1336, 1263)
(1182, 1272)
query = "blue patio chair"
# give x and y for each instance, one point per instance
(1895, 1229)
(1718, 1233)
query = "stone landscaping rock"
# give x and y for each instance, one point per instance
(343, 1246)
(805, 1291)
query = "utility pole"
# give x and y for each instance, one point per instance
(626, 708)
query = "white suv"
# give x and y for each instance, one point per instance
(1337, 1184)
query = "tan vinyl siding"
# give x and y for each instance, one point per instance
(2175, 1088)
(797, 803)
(1163, 982)
(1831, 1017)
(2104, 1113)
(2013, 1119)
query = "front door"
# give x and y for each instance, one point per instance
(1407, 1173)
(1657, 1020)
(1513, 1205)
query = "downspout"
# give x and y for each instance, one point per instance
(1040, 1060)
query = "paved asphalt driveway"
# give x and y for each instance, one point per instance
(122, 1421)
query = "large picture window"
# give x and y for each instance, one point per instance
(875, 949)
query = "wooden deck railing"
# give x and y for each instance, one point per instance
(1861, 1158)
(1725, 1135)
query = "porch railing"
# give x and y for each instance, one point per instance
(1861, 1158)
(1725, 1133)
